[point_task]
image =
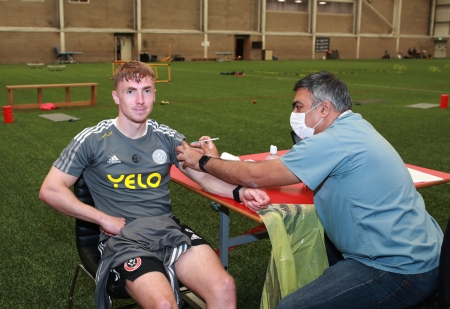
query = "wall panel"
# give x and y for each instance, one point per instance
(220, 43)
(256, 54)
(373, 23)
(374, 48)
(186, 45)
(286, 21)
(235, 15)
(418, 43)
(171, 14)
(345, 45)
(334, 23)
(96, 47)
(28, 14)
(415, 17)
(290, 47)
(36, 47)
(99, 14)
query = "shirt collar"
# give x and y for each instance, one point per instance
(345, 113)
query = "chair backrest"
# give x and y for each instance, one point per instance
(444, 271)
(87, 236)
(86, 233)
(56, 51)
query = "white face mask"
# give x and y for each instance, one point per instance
(299, 126)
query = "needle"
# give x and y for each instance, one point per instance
(207, 140)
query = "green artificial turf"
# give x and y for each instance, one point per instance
(38, 255)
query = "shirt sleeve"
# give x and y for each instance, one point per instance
(173, 139)
(316, 158)
(74, 158)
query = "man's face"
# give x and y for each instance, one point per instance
(302, 104)
(135, 100)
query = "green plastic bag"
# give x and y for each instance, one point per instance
(298, 250)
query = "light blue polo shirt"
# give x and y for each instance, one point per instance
(365, 197)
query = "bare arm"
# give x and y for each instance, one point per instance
(56, 193)
(250, 174)
(254, 199)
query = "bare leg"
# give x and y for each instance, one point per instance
(152, 290)
(200, 270)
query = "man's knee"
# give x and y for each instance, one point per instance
(161, 304)
(225, 284)
(222, 293)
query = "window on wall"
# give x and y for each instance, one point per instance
(78, 1)
(287, 5)
(32, 0)
(334, 7)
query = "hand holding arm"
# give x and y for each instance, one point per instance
(254, 199)
(206, 147)
(188, 156)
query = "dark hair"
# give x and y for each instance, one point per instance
(324, 86)
(132, 70)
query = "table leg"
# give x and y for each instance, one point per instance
(223, 235)
(225, 242)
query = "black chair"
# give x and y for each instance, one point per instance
(441, 299)
(87, 235)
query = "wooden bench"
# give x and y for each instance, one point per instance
(56, 67)
(224, 56)
(205, 59)
(92, 101)
(35, 65)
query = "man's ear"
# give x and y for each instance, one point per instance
(325, 108)
(115, 97)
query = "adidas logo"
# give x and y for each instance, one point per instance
(114, 160)
(195, 237)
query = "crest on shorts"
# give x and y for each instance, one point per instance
(132, 264)
(159, 156)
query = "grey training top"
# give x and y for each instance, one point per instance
(127, 177)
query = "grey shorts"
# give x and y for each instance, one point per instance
(138, 266)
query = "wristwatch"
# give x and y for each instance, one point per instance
(202, 162)
(236, 196)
